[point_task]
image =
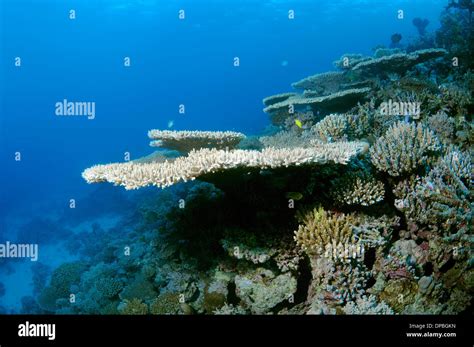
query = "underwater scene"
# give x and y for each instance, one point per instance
(236, 157)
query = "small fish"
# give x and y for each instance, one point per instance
(170, 124)
(294, 196)
(298, 123)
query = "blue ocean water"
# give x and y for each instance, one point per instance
(173, 62)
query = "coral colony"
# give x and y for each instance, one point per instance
(359, 203)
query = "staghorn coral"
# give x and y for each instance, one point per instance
(185, 141)
(442, 125)
(458, 165)
(442, 198)
(359, 188)
(334, 284)
(331, 128)
(207, 161)
(404, 148)
(331, 235)
(361, 120)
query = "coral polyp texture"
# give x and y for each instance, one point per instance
(358, 189)
(206, 161)
(322, 232)
(185, 141)
(404, 148)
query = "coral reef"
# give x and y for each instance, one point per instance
(383, 202)
(358, 189)
(404, 148)
(335, 102)
(367, 305)
(185, 141)
(208, 161)
(322, 84)
(262, 290)
(324, 233)
(331, 128)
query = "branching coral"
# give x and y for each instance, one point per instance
(442, 125)
(367, 305)
(335, 283)
(185, 141)
(329, 235)
(442, 198)
(332, 128)
(404, 148)
(358, 189)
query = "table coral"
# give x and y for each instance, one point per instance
(207, 161)
(185, 141)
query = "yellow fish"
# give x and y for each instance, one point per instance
(298, 123)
